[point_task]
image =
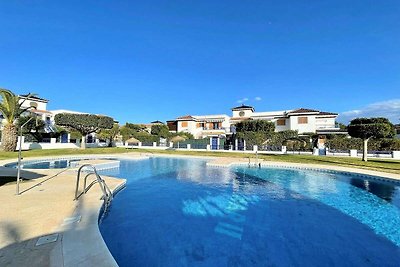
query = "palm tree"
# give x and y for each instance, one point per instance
(10, 108)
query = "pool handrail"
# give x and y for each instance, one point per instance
(107, 194)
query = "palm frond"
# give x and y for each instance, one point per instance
(26, 98)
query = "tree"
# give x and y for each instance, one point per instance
(110, 134)
(84, 123)
(160, 130)
(136, 127)
(35, 127)
(255, 132)
(278, 138)
(255, 126)
(366, 128)
(126, 132)
(10, 108)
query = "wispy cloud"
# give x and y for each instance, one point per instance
(242, 100)
(257, 98)
(389, 109)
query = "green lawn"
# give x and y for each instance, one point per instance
(392, 166)
(61, 152)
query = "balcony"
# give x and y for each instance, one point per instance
(219, 130)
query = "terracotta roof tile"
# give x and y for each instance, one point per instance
(186, 117)
(303, 110)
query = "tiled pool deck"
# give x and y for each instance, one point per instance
(46, 207)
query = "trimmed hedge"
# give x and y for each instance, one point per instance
(357, 143)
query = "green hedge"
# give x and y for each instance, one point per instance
(357, 143)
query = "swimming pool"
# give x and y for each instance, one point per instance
(45, 164)
(179, 212)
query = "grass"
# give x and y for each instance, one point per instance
(61, 152)
(383, 165)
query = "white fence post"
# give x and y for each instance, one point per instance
(53, 140)
(140, 144)
(244, 145)
(171, 144)
(283, 149)
(255, 148)
(316, 151)
(236, 144)
(208, 147)
(154, 144)
(396, 154)
(188, 146)
(353, 153)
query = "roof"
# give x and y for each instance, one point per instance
(303, 110)
(307, 110)
(156, 122)
(40, 111)
(240, 118)
(243, 107)
(34, 98)
(186, 118)
(327, 113)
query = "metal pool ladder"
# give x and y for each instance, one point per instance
(107, 194)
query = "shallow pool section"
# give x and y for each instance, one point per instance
(179, 212)
(48, 164)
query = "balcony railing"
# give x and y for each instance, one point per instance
(222, 129)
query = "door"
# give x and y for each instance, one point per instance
(214, 143)
(64, 138)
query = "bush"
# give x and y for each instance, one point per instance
(357, 143)
(278, 138)
(160, 130)
(145, 137)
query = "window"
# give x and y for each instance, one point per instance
(184, 124)
(281, 122)
(215, 125)
(302, 120)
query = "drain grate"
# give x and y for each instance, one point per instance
(46, 239)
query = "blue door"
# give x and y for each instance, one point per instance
(214, 143)
(64, 138)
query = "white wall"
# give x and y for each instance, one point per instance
(279, 128)
(325, 123)
(247, 113)
(303, 128)
(40, 105)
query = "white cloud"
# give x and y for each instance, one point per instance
(257, 98)
(389, 109)
(242, 100)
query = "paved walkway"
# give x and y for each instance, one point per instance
(41, 210)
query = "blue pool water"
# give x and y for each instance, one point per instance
(178, 212)
(52, 164)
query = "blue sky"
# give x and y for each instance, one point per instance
(140, 61)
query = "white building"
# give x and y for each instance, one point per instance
(302, 120)
(38, 106)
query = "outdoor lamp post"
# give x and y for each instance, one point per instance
(19, 152)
